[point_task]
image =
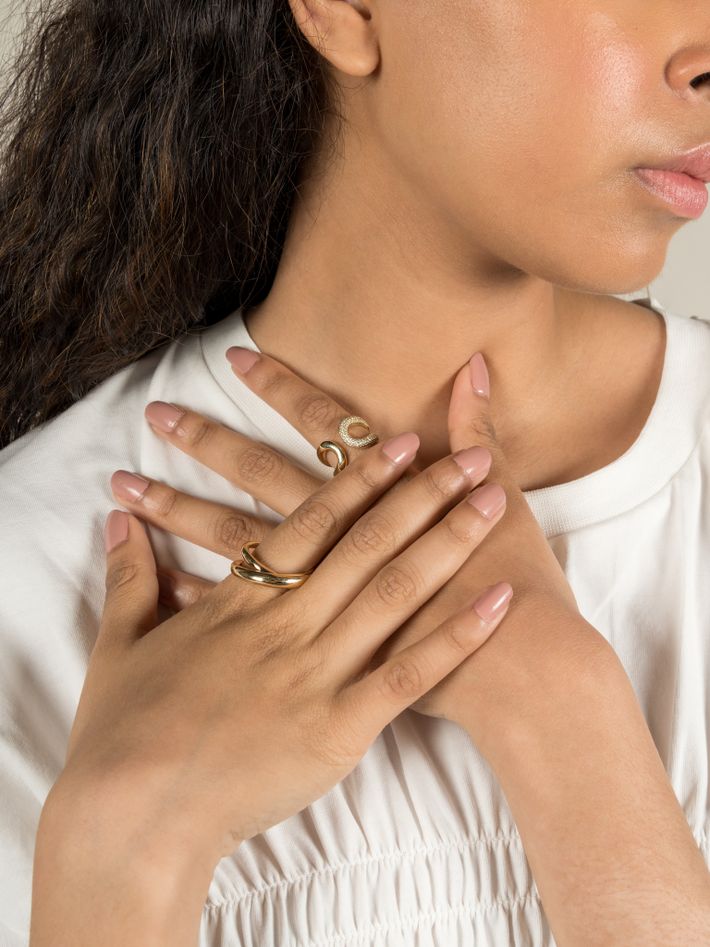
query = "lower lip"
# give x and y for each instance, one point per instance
(687, 196)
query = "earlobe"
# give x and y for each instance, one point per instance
(342, 31)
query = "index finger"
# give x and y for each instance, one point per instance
(252, 466)
(315, 414)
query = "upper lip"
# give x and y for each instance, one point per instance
(695, 163)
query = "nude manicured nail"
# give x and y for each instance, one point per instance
(128, 486)
(115, 529)
(242, 359)
(488, 499)
(493, 601)
(163, 415)
(401, 448)
(474, 461)
(480, 380)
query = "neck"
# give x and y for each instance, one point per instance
(380, 309)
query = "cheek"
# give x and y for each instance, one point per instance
(524, 135)
(494, 118)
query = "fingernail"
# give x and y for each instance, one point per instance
(401, 448)
(474, 461)
(493, 601)
(115, 529)
(127, 485)
(480, 381)
(488, 499)
(242, 359)
(163, 415)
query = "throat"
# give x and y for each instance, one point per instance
(610, 401)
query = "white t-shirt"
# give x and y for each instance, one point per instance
(417, 846)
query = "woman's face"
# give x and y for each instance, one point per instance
(521, 122)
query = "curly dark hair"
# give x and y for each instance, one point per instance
(150, 151)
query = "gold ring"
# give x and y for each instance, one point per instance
(261, 573)
(344, 431)
(266, 578)
(341, 456)
(342, 459)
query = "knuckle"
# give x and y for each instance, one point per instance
(259, 464)
(442, 481)
(365, 478)
(461, 528)
(315, 412)
(223, 604)
(314, 519)
(273, 637)
(303, 673)
(198, 431)
(332, 740)
(164, 502)
(402, 680)
(121, 575)
(371, 536)
(271, 644)
(231, 530)
(455, 637)
(483, 430)
(396, 584)
(190, 595)
(267, 378)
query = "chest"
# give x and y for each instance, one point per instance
(417, 846)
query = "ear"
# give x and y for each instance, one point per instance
(342, 31)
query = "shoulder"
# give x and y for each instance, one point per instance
(54, 496)
(58, 464)
(98, 413)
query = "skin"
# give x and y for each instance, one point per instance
(257, 687)
(130, 834)
(419, 222)
(483, 199)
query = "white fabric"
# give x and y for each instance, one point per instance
(416, 846)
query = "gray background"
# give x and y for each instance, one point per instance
(683, 286)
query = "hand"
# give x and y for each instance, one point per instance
(494, 688)
(243, 708)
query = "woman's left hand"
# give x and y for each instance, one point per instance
(496, 679)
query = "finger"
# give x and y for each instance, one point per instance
(250, 465)
(179, 589)
(374, 700)
(215, 526)
(408, 581)
(470, 422)
(469, 415)
(312, 412)
(301, 541)
(388, 529)
(130, 607)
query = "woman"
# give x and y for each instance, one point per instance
(411, 184)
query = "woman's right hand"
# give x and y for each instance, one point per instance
(248, 705)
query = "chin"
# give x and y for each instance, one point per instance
(615, 274)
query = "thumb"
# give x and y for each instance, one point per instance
(469, 418)
(131, 605)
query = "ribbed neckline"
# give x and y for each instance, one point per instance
(668, 437)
